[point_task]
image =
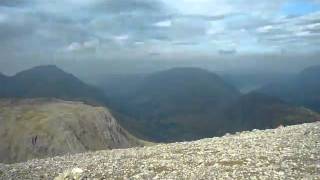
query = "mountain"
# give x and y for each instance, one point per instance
(38, 128)
(251, 81)
(309, 79)
(258, 111)
(191, 103)
(303, 89)
(176, 104)
(49, 81)
(4, 80)
(2, 77)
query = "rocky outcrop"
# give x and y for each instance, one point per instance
(291, 152)
(39, 128)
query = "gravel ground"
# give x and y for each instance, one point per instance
(285, 153)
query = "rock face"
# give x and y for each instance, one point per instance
(291, 152)
(38, 128)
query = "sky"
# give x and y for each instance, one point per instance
(219, 33)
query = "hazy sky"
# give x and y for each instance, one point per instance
(51, 31)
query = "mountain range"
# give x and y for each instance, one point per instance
(172, 105)
(192, 103)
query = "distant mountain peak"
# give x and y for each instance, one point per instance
(50, 81)
(45, 69)
(2, 75)
(47, 66)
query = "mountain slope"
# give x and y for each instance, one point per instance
(304, 89)
(177, 104)
(2, 76)
(284, 153)
(37, 128)
(49, 81)
(258, 111)
(3, 84)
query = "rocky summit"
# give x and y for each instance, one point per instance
(291, 152)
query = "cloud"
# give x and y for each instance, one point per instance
(299, 33)
(94, 27)
(224, 7)
(184, 43)
(78, 46)
(154, 54)
(265, 29)
(166, 23)
(132, 5)
(74, 46)
(227, 52)
(123, 37)
(11, 3)
(3, 18)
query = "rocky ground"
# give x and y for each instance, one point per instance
(284, 153)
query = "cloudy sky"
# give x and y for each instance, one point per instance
(104, 30)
